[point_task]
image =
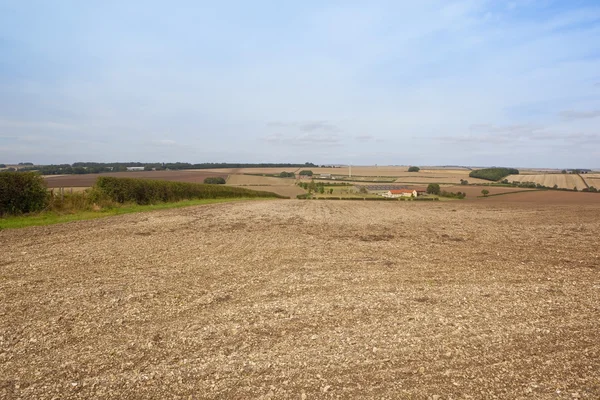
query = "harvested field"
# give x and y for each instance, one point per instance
(565, 181)
(592, 180)
(89, 179)
(315, 299)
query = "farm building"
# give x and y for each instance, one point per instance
(401, 193)
(325, 176)
(135, 168)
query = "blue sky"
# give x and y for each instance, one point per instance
(513, 83)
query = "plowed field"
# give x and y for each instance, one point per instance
(306, 299)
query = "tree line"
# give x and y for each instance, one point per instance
(95, 168)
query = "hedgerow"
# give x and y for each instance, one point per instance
(145, 191)
(22, 192)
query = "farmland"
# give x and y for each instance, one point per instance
(315, 299)
(565, 181)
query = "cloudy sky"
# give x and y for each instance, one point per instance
(428, 82)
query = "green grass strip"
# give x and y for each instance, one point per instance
(51, 218)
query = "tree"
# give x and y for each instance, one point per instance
(321, 189)
(464, 182)
(331, 191)
(433, 188)
(485, 192)
(2, 165)
(564, 171)
(414, 169)
(306, 172)
(287, 175)
(363, 190)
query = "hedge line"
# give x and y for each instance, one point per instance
(145, 191)
(22, 192)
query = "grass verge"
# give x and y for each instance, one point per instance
(51, 218)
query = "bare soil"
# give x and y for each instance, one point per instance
(306, 299)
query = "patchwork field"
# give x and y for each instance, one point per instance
(566, 181)
(306, 299)
(88, 180)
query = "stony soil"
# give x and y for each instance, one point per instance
(306, 299)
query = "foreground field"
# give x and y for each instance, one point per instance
(315, 299)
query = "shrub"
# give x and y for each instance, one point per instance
(22, 192)
(493, 174)
(144, 191)
(212, 180)
(414, 169)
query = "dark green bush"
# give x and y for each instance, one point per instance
(22, 192)
(414, 169)
(144, 191)
(214, 180)
(493, 174)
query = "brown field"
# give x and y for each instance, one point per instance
(240, 180)
(89, 179)
(307, 299)
(282, 186)
(571, 199)
(474, 191)
(566, 181)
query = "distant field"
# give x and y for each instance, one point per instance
(89, 179)
(258, 180)
(474, 191)
(566, 181)
(282, 186)
(592, 180)
(547, 197)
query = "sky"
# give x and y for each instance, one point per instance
(428, 82)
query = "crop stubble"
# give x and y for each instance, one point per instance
(327, 299)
